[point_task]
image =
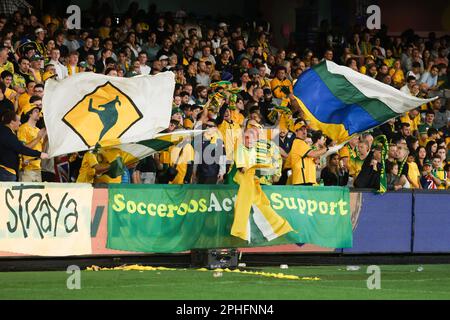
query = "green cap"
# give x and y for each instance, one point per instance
(176, 110)
(427, 162)
(422, 128)
(35, 57)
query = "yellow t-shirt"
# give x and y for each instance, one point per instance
(414, 175)
(103, 32)
(303, 167)
(87, 171)
(8, 66)
(24, 99)
(231, 135)
(414, 123)
(264, 82)
(440, 174)
(164, 157)
(344, 152)
(237, 117)
(354, 166)
(389, 62)
(11, 94)
(181, 161)
(26, 134)
(398, 77)
(276, 86)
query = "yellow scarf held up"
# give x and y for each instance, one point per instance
(250, 194)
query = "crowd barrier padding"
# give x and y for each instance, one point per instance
(396, 222)
(432, 222)
(384, 224)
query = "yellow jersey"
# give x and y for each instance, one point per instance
(354, 166)
(413, 123)
(277, 85)
(237, 117)
(7, 66)
(231, 135)
(441, 175)
(414, 175)
(398, 77)
(303, 167)
(181, 159)
(11, 95)
(24, 99)
(26, 134)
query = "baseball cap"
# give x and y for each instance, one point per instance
(422, 128)
(163, 57)
(83, 64)
(47, 75)
(300, 124)
(29, 107)
(176, 110)
(35, 57)
(427, 162)
(38, 30)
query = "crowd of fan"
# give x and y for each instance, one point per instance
(264, 116)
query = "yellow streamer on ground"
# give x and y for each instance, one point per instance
(136, 267)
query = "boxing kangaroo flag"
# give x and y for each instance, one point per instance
(87, 110)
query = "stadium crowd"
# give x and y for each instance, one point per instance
(261, 123)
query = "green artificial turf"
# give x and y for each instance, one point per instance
(397, 282)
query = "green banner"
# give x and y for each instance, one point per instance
(172, 218)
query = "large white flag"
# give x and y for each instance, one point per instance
(87, 109)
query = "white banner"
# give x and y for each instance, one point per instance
(87, 108)
(45, 219)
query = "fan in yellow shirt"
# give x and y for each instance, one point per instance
(231, 135)
(302, 157)
(32, 137)
(413, 173)
(280, 85)
(412, 117)
(396, 72)
(7, 65)
(24, 98)
(182, 157)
